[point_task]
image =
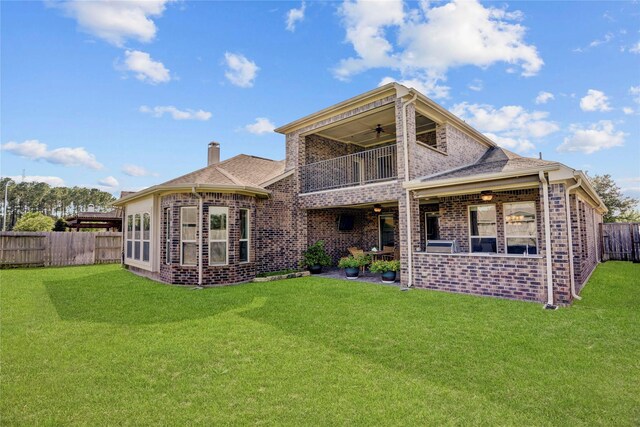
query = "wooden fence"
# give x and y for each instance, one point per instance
(620, 241)
(32, 249)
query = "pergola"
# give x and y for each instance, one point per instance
(110, 221)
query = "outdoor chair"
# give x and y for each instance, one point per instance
(355, 252)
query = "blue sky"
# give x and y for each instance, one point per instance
(123, 95)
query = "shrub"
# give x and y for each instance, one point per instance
(316, 255)
(34, 221)
(353, 262)
(383, 266)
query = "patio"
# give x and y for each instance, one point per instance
(366, 276)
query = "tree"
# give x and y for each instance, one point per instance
(34, 221)
(621, 208)
(61, 225)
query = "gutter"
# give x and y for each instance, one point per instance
(567, 205)
(418, 185)
(547, 240)
(405, 141)
(193, 191)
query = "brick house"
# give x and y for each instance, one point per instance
(404, 172)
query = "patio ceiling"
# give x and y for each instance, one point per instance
(361, 130)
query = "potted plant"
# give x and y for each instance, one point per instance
(353, 264)
(315, 257)
(387, 268)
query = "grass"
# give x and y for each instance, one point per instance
(98, 345)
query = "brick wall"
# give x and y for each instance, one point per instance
(372, 193)
(559, 244)
(323, 225)
(235, 271)
(585, 223)
(511, 277)
(277, 246)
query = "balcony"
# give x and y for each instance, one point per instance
(364, 167)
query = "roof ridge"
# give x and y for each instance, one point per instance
(229, 175)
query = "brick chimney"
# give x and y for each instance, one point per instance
(214, 153)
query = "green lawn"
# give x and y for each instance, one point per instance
(98, 345)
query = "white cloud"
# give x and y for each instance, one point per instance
(261, 126)
(635, 48)
(431, 40)
(135, 170)
(294, 16)
(606, 39)
(521, 145)
(544, 97)
(595, 100)
(596, 137)
(109, 181)
(145, 68)
(116, 21)
(240, 70)
(175, 113)
(635, 91)
(66, 156)
(627, 110)
(54, 181)
(510, 126)
(429, 87)
(476, 85)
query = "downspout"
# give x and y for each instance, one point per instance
(193, 191)
(405, 141)
(547, 241)
(567, 204)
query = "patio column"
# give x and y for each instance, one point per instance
(408, 238)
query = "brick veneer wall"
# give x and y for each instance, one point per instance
(323, 225)
(586, 255)
(277, 242)
(235, 271)
(499, 276)
(372, 193)
(559, 244)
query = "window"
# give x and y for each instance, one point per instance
(387, 230)
(136, 237)
(146, 236)
(167, 236)
(130, 236)
(188, 226)
(482, 228)
(520, 228)
(218, 235)
(432, 225)
(244, 235)
(385, 168)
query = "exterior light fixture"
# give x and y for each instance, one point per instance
(486, 196)
(377, 208)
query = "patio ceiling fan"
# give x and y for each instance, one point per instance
(378, 130)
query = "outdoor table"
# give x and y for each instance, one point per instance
(375, 255)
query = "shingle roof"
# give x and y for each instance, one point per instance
(495, 160)
(239, 170)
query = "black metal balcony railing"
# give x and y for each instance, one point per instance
(365, 167)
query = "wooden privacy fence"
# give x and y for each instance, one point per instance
(32, 249)
(620, 241)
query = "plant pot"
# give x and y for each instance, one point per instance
(389, 277)
(315, 269)
(352, 272)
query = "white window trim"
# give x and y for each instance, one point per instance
(426, 223)
(535, 220)
(384, 215)
(495, 210)
(139, 239)
(188, 241)
(248, 239)
(167, 237)
(226, 240)
(129, 254)
(143, 240)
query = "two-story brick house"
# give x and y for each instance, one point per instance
(404, 171)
